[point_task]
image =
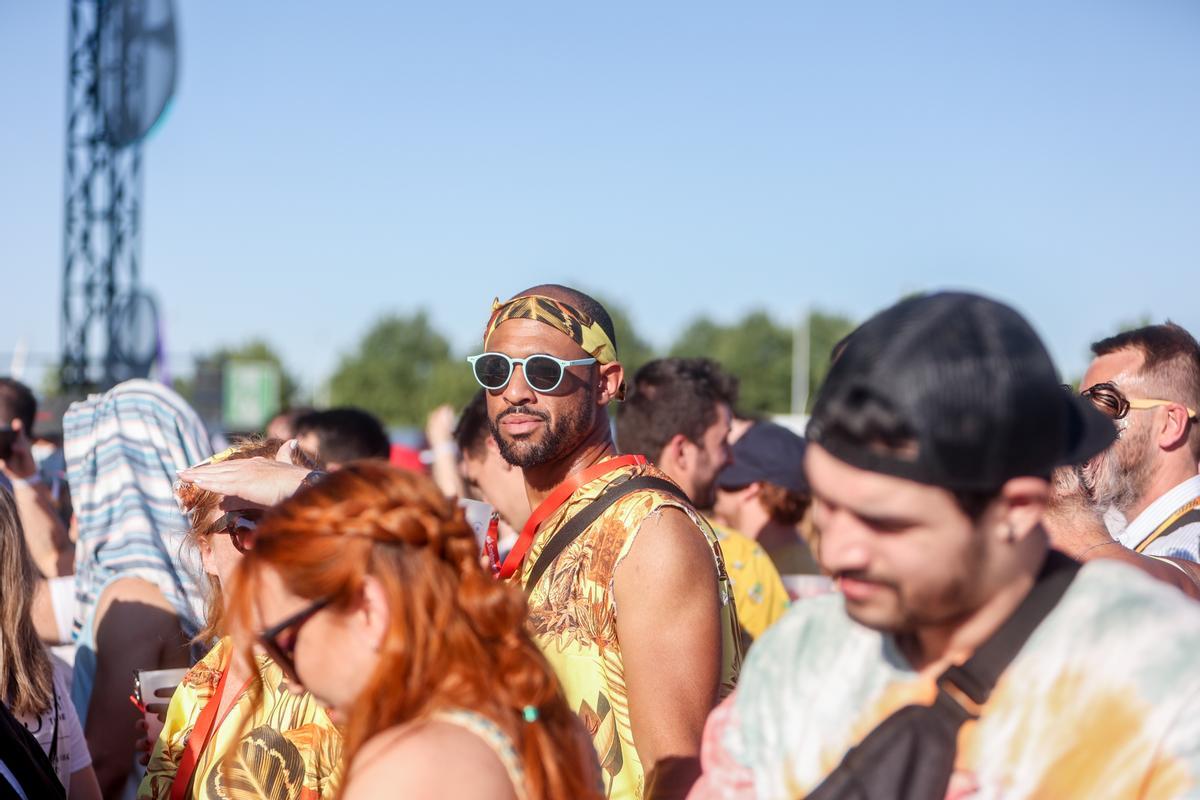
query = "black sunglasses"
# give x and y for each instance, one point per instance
(280, 640)
(240, 527)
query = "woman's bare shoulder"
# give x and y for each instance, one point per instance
(429, 759)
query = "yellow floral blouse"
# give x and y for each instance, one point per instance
(273, 745)
(574, 618)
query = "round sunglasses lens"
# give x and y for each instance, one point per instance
(543, 373)
(492, 371)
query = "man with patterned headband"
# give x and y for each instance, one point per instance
(607, 532)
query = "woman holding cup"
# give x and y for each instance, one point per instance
(231, 719)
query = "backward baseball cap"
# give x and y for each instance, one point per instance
(953, 390)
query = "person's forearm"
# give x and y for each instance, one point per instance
(1178, 576)
(444, 470)
(45, 534)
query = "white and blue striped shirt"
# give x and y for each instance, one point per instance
(1182, 543)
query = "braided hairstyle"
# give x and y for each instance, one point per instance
(456, 637)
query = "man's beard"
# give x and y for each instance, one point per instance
(920, 607)
(1119, 477)
(557, 437)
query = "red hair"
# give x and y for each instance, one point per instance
(456, 637)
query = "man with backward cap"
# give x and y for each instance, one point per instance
(962, 657)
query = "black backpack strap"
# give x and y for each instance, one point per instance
(26, 760)
(978, 676)
(576, 525)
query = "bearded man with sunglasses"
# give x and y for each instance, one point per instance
(1148, 381)
(629, 598)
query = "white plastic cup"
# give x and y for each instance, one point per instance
(479, 517)
(157, 686)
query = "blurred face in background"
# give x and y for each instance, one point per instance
(493, 480)
(698, 463)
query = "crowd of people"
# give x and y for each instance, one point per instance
(965, 580)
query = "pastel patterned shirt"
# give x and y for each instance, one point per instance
(573, 616)
(1102, 702)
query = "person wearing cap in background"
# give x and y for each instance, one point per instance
(762, 494)
(678, 415)
(962, 657)
(628, 594)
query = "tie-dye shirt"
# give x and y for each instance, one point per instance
(1102, 702)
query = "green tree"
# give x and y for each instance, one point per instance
(756, 349)
(633, 349)
(401, 370)
(824, 331)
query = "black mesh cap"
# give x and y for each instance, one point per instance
(954, 390)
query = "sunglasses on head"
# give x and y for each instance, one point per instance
(279, 641)
(1112, 401)
(543, 373)
(240, 528)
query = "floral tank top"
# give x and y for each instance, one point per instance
(573, 616)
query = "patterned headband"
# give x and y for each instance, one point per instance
(581, 328)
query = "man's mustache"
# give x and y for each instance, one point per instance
(525, 412)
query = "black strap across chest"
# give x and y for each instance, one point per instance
(576, 525)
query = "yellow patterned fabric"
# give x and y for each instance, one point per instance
(574, 618)
(582, 329)
(760, 594)
(282, 747)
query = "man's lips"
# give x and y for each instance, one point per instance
(857, 588)
(520, 423)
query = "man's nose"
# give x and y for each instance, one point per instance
(518, 392)
(845, 546)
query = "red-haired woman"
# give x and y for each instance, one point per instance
(367, 589)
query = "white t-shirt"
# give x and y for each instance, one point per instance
(72, 754)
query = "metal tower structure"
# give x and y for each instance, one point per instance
(101, 221)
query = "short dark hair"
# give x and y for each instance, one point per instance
(346, 434)
(1171, 363)
(672, 396)
(17, 402)
(582, 302)
(470, 435)
(1172, 357)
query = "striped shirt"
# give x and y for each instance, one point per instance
(1183, 542)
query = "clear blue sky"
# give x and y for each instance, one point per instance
(325, 163)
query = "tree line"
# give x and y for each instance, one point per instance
(403, 367)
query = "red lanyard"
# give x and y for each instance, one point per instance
(554, 501)
(202, 732)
